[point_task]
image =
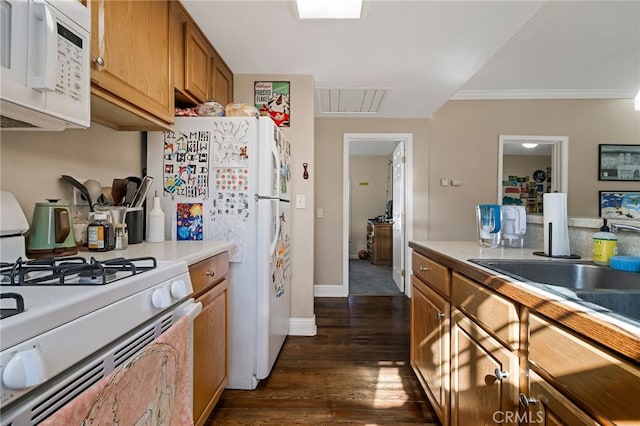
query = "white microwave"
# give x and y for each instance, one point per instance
(44, 59)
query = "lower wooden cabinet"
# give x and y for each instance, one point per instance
(484, 375)
(210, 334)
(210, 360)
(430, 345)
(548, 407)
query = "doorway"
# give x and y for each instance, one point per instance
(398, 148)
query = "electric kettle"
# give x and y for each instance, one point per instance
(50, 233)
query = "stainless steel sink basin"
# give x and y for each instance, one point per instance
(572, 275)
(617, 291)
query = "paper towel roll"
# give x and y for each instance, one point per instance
(555, 218)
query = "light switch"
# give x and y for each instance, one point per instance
(444, 182)
(300, 201)
(455, 182)
(320, 213)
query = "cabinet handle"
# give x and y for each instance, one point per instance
(98, 61)
(210, 273)
(440, 315)
(424, 268)
(500, 375)
(526, 401)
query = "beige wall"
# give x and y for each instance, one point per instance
(464, 146)
(461, 142)
(301, 136)
(328, 154)
(32, 162)
(368, 200)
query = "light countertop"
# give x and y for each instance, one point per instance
(612, 330)
(187, 251)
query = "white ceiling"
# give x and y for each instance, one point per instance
(427, 52)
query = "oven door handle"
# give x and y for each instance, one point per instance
(191, 309)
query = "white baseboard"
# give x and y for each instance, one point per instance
(303, 326)
(331, 290)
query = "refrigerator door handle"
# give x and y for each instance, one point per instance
(274, 242)
(257, 197)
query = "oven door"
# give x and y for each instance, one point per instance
(142, 378)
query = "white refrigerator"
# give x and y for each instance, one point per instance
(229, 179)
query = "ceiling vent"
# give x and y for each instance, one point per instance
(350, 101)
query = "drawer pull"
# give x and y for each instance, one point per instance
(501, 375)
(424, 268)
(526, 401)
(99, 61)
(440, 315)
(210, 273)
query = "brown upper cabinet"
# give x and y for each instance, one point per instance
(131, 82)
(199, 73)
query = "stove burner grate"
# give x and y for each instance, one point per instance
(72, 270)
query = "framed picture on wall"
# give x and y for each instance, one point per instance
(619, 162)
(273, 99)
(620, 204)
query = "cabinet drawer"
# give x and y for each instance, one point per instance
(604, 383)
(208, 272)
(433, 273)
(494, 313)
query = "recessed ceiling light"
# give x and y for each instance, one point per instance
(529, 145)
(329, 9)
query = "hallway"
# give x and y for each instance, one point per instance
(354, 371)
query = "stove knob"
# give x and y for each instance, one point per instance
(24, 370)
(160, 298)
(179, 289)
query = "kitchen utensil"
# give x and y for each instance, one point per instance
(95, 190)
(83, 190)
(132, 187)
(118, 191)
(141, 194)
(50, 233)
(489, 218)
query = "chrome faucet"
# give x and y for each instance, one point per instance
(617, 227)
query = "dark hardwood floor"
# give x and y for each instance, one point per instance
(354, 371)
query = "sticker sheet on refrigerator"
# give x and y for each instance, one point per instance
(230, 143)
(228, 228)
(186, 164)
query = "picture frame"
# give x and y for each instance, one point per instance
(619, 162)
(273, 99)
(619, 204)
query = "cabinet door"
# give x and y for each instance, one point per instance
(197, 57)
(210, 359)
(549, 408)
(430, 345)
(221, 85)
(484, 375)
(130, 61)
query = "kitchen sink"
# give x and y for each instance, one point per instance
(618, 291)
(569, 274)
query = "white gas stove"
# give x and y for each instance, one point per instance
(79, 321)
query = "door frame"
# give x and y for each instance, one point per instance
(407, 139)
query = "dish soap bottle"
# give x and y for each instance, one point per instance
(605, 245)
